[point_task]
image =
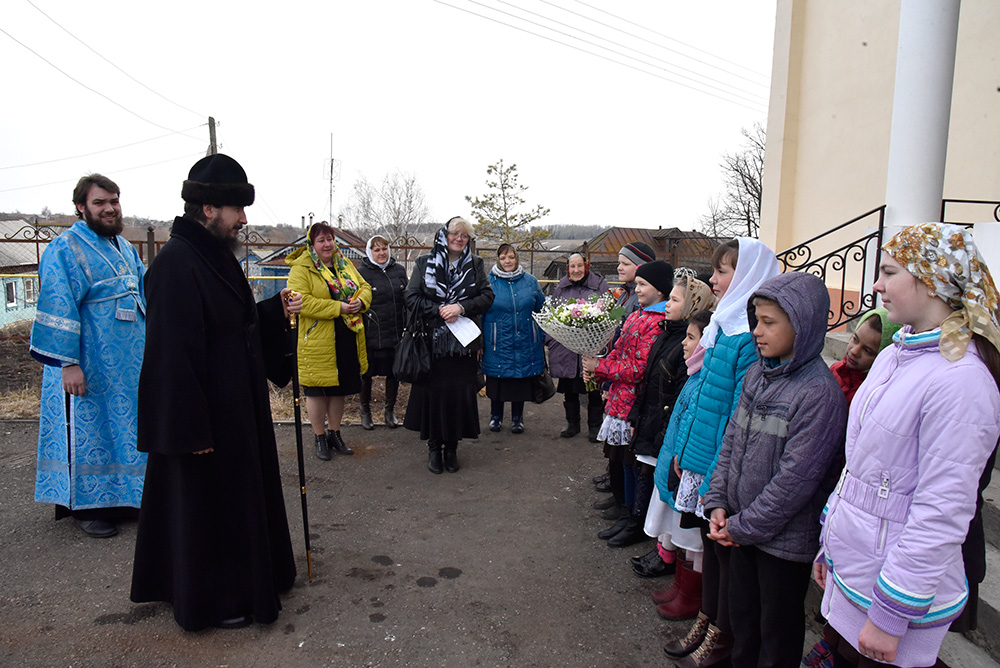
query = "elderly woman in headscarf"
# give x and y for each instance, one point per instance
(920, 432)
(514, 352)
(578, 283)
(331, 333)
(448, 285)
(384, 322)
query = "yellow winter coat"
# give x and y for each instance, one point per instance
(316, 350)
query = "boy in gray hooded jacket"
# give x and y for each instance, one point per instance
(775, 470)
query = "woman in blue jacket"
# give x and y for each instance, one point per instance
(513, 353)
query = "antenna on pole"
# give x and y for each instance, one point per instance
(334, 176)
(213, 147)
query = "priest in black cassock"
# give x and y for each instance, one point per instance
(213, 535)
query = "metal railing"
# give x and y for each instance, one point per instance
(968, 204)
(853, 263)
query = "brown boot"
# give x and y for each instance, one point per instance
(675, 649)
(716, 648)
(687, 603)
(661, 596)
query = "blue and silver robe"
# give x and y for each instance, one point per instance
(91, 312)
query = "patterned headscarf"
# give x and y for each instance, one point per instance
(342, 286)
(697, 295)
(450, 282)
(946, 260)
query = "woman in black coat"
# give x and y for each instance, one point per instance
(448, 284)
(384, 322)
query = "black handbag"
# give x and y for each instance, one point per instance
(542, 387)
(412, 363)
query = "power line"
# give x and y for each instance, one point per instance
(667, 48)
(760, 98)
(756, 107)
(105, 150)
(180, 106)
(110, 171)
(672, 39)
(96, 92)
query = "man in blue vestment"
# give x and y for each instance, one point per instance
(90, 332)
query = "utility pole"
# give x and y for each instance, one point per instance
(334, 174)
(213, 147)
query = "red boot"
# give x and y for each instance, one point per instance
(661, 596)
(687, 602)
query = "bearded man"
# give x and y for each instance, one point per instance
(89, 332)
(213, 536)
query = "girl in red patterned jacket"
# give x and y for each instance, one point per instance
(625, 367)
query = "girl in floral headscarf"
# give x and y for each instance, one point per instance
(921, 429)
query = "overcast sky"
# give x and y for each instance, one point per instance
(437, 88)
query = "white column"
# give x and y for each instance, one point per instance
(921, 107)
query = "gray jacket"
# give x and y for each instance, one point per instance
(775, 465)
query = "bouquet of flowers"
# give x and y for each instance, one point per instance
(584, 326)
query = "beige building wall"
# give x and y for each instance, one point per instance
(830, 115)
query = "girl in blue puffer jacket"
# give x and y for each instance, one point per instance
(740, 266)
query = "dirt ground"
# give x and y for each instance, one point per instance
(17, 368)
(496, 565)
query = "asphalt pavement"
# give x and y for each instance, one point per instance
(495, 565)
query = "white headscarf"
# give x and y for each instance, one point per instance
(368, 251)
(755, 265)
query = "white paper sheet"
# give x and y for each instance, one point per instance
(464, 330)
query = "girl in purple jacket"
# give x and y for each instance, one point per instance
(920, 431)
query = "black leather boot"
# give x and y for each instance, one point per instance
(366, 403)
(322, 449)
(613, 530)
(451, 457)
(571, 430)
(391, 392)
(571, 404)
(366, 417)
(631, 534)
(434, 464)
(337, 444)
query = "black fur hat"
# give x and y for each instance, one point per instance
(217, 180)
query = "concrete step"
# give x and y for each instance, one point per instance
(987, 636)
(835, 346)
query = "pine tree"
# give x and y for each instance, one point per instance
(497, 218)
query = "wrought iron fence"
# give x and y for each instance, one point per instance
(970, 206)
(851, 264)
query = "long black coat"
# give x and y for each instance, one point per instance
(666, 374)
(386, 316)
(213, 536)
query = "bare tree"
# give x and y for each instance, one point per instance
(736, 212)
(396, 208)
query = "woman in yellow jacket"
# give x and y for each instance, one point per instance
(331, 347)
